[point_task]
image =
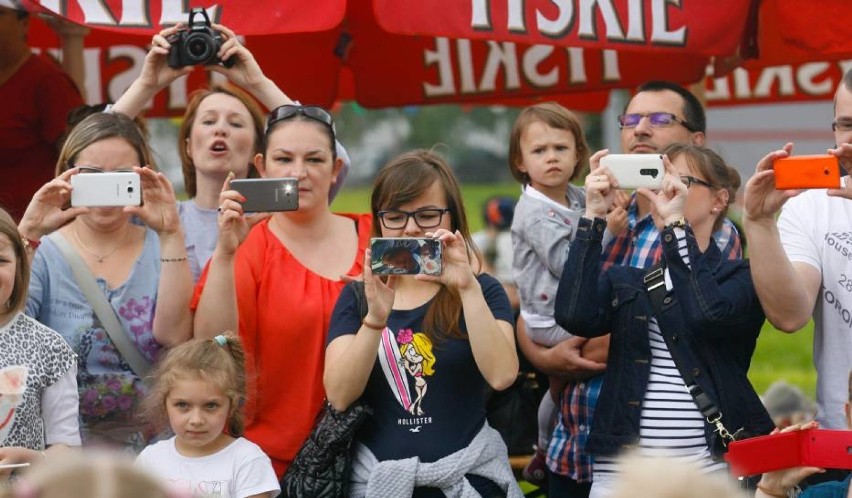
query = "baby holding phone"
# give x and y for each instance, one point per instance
(200, 388)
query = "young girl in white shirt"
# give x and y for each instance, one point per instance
(199, 388)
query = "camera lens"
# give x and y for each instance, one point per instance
(129, 189)
(199, 47)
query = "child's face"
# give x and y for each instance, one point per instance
(198, 411)
(548, 156)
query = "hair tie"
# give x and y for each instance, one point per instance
(221, 340)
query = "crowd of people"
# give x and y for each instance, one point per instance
(203, 340)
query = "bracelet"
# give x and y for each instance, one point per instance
(763, 489)
(30, 244)
(373, 326)
(173, 260)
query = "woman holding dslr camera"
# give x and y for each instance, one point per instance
(222, 128)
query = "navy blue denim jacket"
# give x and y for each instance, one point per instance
(712, 316)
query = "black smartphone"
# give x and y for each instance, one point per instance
(405, 256)
(266, 195)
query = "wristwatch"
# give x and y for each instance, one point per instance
(678, 223)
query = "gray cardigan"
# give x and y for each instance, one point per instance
(542, 232)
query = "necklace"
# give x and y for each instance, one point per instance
(99, 258)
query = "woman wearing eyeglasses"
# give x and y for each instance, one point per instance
(139, 272)
(682, 333)
(426, 350)
(277, 282)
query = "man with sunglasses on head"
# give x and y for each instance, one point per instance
(802, 264)
(659, 114)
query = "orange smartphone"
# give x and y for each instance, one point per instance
(802, 172)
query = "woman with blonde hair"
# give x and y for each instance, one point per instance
(139, 271)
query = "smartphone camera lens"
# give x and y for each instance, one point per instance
(129, 189)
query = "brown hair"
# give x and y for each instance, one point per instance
(206, 359)
(713, 168)
(90, 474)
(403, 179)
(101, 126)
(555, 116)
(195, 99)
(18, 299)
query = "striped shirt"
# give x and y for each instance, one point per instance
(670, 424)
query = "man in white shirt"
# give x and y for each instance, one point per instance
(802, 265)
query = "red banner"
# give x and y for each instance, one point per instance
(809, 81)
(245, 17)
(662, 26)
(792, 31)
(407, 70)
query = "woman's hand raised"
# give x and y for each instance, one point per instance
(456, 271)
(159, 205)
(233, 227)
(380, 295)
(667, 204)
(156, 72)
(245, 70)
(45, 212)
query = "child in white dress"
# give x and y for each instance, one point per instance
(200, 387)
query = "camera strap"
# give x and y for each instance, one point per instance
(655, 285)
(103, 310)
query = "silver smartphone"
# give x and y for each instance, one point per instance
(106, 189)
(266, 195)
(634, 171)
(405, 256)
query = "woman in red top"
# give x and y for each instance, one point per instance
(278, 282)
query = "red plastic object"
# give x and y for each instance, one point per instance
(812, 448)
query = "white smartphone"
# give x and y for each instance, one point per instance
(266, 195)
(106, 189)
(634, 171)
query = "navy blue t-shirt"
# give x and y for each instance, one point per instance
(428, 400)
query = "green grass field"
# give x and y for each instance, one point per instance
(778, 355)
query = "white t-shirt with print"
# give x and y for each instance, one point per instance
(240, 469)
(817, 230)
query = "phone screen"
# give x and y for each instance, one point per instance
(405, 256)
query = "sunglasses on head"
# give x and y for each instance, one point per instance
(287, 111)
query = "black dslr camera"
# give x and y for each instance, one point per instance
(198, 45)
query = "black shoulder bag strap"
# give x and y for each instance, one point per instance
(655, 284)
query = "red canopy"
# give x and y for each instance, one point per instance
(488, 51)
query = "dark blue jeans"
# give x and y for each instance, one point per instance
(559, 486)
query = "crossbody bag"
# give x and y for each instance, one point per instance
(103, 310)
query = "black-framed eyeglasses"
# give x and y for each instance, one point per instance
(656, 120)
(95, 169)
(841, 125)
(690, 180)
(287, 111)
(394, 219)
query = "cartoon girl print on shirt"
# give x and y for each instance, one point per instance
(417, 359)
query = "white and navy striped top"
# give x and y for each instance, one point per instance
(670, 424)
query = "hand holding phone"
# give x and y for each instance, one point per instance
(633, 171)
(266, 195)
(405, 256)
(111, 188)
(807, 172)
